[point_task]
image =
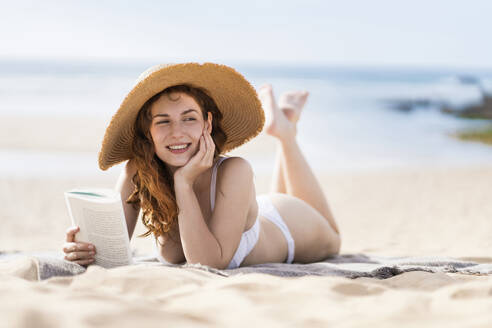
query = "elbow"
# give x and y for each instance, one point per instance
(216, 263)
(169, 254)
(210, 264)
(212, 258)
(223, 266)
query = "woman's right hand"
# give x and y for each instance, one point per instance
(78, 252)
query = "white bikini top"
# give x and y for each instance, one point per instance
(213, 181)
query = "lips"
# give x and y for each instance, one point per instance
(178, 148)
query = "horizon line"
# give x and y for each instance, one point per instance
(118, 61)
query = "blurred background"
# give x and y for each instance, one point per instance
(392, 84)
(386, 78)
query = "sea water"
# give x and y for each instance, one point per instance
(346, 124)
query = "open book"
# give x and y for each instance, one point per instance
(99, 214)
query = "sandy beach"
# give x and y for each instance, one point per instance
(417, 211)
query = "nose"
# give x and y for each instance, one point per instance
(176, 129)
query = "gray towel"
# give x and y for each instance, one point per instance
(51, 264)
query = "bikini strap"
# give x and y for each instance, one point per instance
(213, 181)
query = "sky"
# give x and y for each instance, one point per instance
(369, 33)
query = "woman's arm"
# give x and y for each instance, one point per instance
(171, 251)
(199, 244)
(216, 246)
(125, 187)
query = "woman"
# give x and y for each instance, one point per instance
(201, 206)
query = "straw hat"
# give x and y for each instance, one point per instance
(243, 116)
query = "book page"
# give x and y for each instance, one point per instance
(105, 231)
(102, 223)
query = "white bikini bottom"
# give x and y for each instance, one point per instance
(249, 238)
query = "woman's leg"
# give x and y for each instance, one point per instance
(292, 174)
(290, 104)
(278, 180)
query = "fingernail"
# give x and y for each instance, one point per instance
(91, 253)
(91, 247)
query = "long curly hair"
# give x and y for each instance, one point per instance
(154, 183)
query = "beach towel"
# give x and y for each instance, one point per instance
(51, 264)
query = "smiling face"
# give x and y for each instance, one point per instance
(176, 126)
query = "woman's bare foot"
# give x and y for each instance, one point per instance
(291, 103)
(277, 123)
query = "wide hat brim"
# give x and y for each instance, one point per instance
(242, 120)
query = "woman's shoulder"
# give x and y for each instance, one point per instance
(235, 166)
(235, 162)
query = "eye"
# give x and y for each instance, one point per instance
(190, 119)
(162, 122)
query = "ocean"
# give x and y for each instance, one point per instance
(348, 122)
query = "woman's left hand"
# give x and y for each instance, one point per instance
(200, 162)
